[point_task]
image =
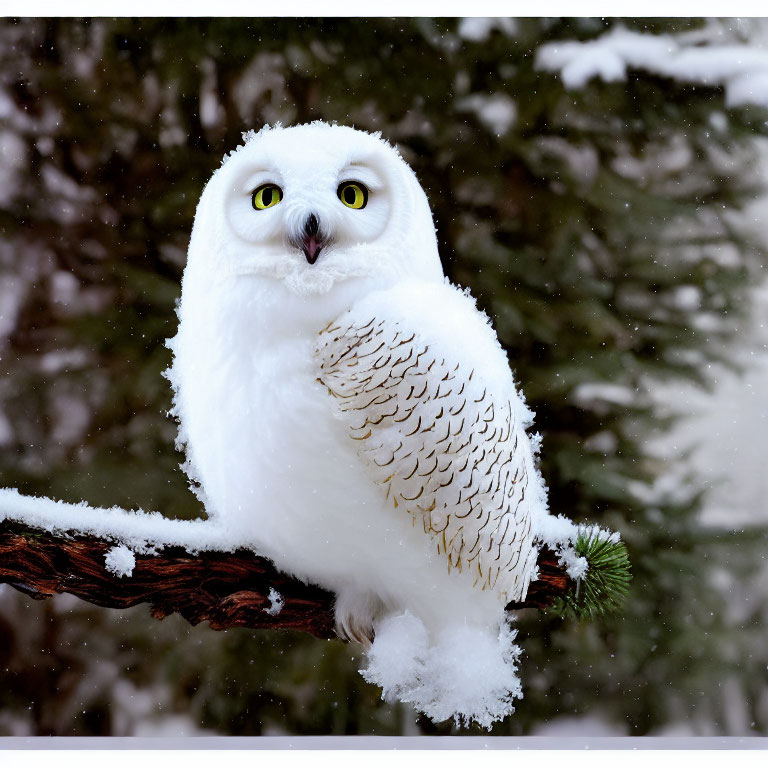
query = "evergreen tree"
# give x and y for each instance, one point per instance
(582, 220)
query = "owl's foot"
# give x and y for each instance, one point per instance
(461, 672)
(355, 614)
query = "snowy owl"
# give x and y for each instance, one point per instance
(350, 414)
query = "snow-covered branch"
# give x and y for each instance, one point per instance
(227, 589)
(742, 70)
(116, 559)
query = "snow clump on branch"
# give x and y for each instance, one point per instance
(741, 69)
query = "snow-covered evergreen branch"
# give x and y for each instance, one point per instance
(117, 558)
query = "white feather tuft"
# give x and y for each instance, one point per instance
(468, 674)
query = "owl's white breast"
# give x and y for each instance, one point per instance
(276, 462)
(260, 438)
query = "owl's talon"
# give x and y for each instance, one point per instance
(355, 615)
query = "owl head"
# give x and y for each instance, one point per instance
(313, 206)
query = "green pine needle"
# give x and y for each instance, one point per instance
(605, 585)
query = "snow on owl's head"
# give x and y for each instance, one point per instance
(313, 206)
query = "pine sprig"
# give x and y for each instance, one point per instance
(605, 585)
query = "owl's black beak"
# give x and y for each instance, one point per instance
(312, 243)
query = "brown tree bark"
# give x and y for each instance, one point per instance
(226, 589)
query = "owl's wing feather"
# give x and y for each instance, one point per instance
(445, 440)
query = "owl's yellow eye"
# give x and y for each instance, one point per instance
(266, 196)
(353, 194)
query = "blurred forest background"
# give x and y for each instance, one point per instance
(609, 230)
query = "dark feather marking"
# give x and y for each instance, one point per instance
(409, 498)
(426, 474)
(408, 477)
(370, 354)
(409, 434)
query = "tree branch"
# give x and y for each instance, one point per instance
(226, 589)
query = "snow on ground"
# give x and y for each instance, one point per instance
(147, 712)
(580, 725)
